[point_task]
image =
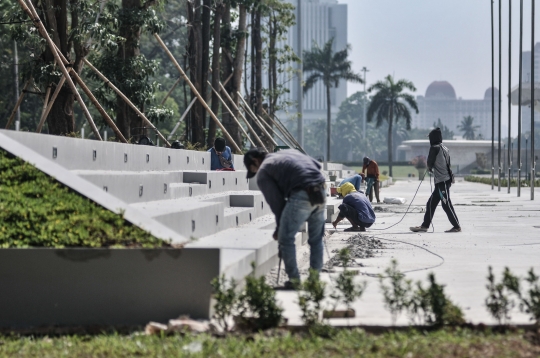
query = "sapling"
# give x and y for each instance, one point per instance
(347, 290)
(310, 299)
(529, 302)
(398, 293)
(226, 299)
(498, 302)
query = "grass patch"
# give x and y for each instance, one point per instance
(504, 182)
(36, 210)
(346, 343)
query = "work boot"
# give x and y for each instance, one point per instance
(454, 229)
(418, 229)
(291, 285)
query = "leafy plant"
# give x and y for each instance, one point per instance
(257, 304)
(226, 299)
(498, 303)
(347, 290)
(36, 210)
(529, 301)
(398, 293)
(310, 298)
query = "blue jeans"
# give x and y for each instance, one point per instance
(297, 211)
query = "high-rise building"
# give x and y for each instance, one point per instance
(441, 102)
(321, 21)
(526, 77)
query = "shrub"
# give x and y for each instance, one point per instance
(398, 293)
(529, 301)
(226, 299)
(36, 210)
(310, 299)
(498, 302)
(347, 290)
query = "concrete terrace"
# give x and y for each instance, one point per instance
(499, 229)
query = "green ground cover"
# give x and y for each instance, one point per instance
(399, 171)
(36, 210)
(504, 182)
(347, 343)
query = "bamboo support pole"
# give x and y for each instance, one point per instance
(275, 132)
(50, 104)
(281, 129)
(170, 91)
(246, 108)
(29, 8)
(46, 100)
(243, 117)
(284, 130)
(232, 115)
(194, 90)
(18, 104)
(182, 118)
(129, 103)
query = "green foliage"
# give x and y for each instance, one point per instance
(226, 300)
(398, 293)
(257, 304)
(310, 299)
(468, 128)
(529, 299)
(347, 290)
(498, 302)
(447, 134)
(36, 210)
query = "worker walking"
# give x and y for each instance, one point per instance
(293, 186)
(371, 170)
(356, 208)
(438, 163)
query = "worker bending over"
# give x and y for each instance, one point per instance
(293, 186)
(355, 180)
(356, 208)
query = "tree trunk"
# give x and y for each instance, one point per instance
(195, 62)
(390, 124)
(238, 71)
(329, 122)
(258, 105)
(215, 72)
(205, 60)
(60, 120)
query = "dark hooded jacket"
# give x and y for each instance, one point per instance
(438, 160)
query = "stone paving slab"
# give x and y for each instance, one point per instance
(499, 229)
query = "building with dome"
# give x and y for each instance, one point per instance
(441, 102)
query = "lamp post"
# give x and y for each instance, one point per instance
(509, 91)
(364, 69)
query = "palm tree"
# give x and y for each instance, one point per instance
(467, 127)
(391, 103)
(323, 64)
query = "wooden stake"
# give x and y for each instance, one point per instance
(49, 104)
(170, 91)
(246, 107)
(201, 99)
(232, 115)
(18, 104)
(284, 130)
(182, 118)
(224, 91)
(275, 132)
(29, 8)
(129, 103)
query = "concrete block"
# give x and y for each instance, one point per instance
(82, 287)
(332, 210)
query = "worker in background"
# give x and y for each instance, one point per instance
(356, 208)
(355, 180)
(220, 156)
(293, 186)
(438, 163)
(371, 170)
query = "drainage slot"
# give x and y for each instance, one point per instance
(209, 184)
(217, 219)
(105, 189)
(54, 152)
(147, 158)
(190, 191)
(223, 181)
(237, 221)
(164, 188)
(94, 155)
(262, 205)
(169, 159)
(236, 181)
(188, 160)
(125, 157)
(140, 190)
(203, 160)
(192, 225)
(249, 216)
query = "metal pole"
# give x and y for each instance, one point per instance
(509, 91)
(300, 77)
(364, 105)
(526, 163)
(533, 88)
(16, 78)
(519, 96)
(499, 94)
(492, 99)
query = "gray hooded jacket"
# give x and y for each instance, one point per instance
(438, 160)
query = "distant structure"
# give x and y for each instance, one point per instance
(441, 102)
(526, 77)
(321, 21)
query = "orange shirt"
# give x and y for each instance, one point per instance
(372, 170)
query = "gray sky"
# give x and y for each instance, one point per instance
(428, 40)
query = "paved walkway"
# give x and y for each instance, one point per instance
(499, 229)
